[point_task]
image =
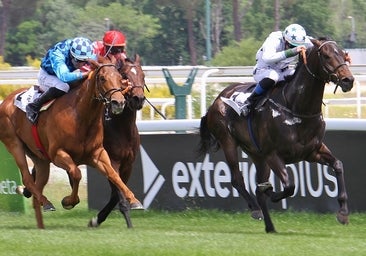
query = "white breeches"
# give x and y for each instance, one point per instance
(47, 81)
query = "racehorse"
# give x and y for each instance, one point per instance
(69, 133)
(286, 127)
(121, 136)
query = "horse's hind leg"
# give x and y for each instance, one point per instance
(263, 187)
(237, 180)
(103, 214)
(41, 173)
(27, 179)
(116, 197)
(41, 176)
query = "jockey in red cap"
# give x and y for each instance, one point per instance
(114, 43)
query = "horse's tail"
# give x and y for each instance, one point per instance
(207, 139)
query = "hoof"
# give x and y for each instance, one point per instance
(66, 203)
(49, 207)
(271, 231)
(257, 215)
(93, 223)
(27, 193)
(342, 218)
(23, 191)
(137, 206)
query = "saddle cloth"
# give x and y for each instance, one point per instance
(22, 99)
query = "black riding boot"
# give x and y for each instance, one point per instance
(260, 89)
(34, 107)
(249, 103)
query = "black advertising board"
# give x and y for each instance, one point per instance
(169, 175)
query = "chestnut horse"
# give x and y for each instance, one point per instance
(121, 136)
(286, 127)
(70, 134)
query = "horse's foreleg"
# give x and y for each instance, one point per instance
(124, 171)
(279, 168)
(64, 161)
(324, 156)
(342, 215)
(102, 162)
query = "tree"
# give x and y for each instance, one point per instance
(238, 54)
(24, 42)
(12, 13)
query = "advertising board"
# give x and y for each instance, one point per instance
(169, 175)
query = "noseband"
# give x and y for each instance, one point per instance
(330, 73)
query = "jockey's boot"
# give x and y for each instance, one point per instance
(251, 100)
(33, 108)
(260, 89)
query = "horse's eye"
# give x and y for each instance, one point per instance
(326, 56)
(102, 79)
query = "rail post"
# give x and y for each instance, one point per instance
(180, 91)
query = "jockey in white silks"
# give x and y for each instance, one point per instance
(273, 59)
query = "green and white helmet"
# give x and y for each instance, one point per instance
(295, 35)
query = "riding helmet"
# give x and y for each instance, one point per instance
(114, 38)
(82, 49)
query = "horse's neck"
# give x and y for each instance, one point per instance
(304, 93)
(87, 107)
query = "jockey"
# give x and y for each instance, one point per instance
(279, 50)
(62, 64)
(114, 43)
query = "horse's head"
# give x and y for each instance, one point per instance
(133, 73)
(108, 84)
(333, 64)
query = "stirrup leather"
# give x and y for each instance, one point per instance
(245, 109)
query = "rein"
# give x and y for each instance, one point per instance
(281, 107)
(329, 72)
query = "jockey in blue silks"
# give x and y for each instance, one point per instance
(62, 64)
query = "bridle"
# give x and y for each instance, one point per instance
(132, 86)
(106, 97)
(331, 73)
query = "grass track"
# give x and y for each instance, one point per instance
(198, 232)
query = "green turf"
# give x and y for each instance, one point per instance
(198, 232)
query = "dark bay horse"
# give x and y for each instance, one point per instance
(121, 136)
(286, 127)
(70, 133)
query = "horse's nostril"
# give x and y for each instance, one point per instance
(348, 80)
(347, 83)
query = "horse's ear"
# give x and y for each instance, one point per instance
(93, 64)
(137, 58)
(315, 42)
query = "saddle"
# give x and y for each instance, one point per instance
(22, 99)
(237, 99)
